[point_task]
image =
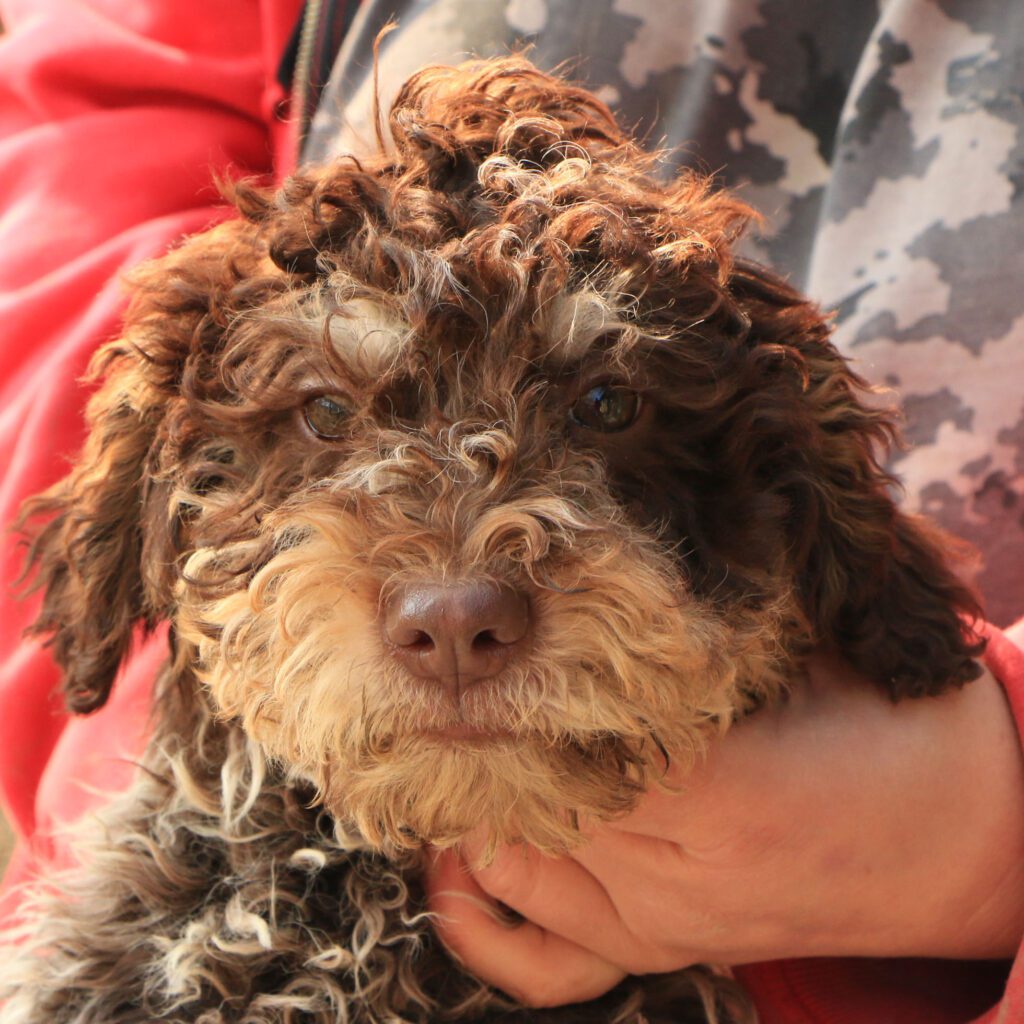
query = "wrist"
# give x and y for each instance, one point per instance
(913, 845)
(968, 878)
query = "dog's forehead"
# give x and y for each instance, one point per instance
(373, 333)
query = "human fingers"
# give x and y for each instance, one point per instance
(561, 896)
(533, 965)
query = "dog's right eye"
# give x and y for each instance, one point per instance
(606, 408)
(326, 416)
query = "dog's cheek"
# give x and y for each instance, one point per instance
(291, 656)
(635, 654)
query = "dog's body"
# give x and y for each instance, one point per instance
(475, 483)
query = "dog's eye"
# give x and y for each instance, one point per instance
(326, 416)
(606, 408)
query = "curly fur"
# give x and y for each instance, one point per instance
(460, 292)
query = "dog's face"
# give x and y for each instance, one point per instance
(438, 604)
(475, 481)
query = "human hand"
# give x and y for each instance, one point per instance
(834, 824)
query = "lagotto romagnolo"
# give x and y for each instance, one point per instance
(477, 481)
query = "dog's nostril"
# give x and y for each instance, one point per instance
(485, 640)
(420, 640)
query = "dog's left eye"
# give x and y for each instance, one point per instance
(606, 408)
(326, 416)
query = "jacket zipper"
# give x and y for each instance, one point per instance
(302, 77)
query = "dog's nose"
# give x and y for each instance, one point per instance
(457, 634)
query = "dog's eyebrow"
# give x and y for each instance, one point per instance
(367, 336)
(572, 323)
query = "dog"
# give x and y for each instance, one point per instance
(476, 481)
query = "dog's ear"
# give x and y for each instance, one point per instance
(86, 538)
(872, 580)
(104, 541)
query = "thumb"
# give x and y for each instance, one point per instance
(534, 966)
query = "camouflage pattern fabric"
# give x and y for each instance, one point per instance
(883, 140)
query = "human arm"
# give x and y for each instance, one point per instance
(834, 824)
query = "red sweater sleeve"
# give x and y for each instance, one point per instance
(1007, 663)
(114, 116)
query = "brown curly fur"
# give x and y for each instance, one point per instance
(461, 292)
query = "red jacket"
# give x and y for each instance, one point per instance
(114, 115)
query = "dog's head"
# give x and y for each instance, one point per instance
(475, 479)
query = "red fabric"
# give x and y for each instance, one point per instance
(114, 117)
(114, 114)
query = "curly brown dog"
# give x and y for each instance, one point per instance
(476, 482)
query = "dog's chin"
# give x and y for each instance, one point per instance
(438, 785)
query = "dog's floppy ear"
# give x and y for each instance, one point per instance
(86, 536)
(103, 542)
(872, 580)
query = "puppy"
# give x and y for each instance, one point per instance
(476, 482)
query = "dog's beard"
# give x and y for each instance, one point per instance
(624, 668)
(507, 789)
